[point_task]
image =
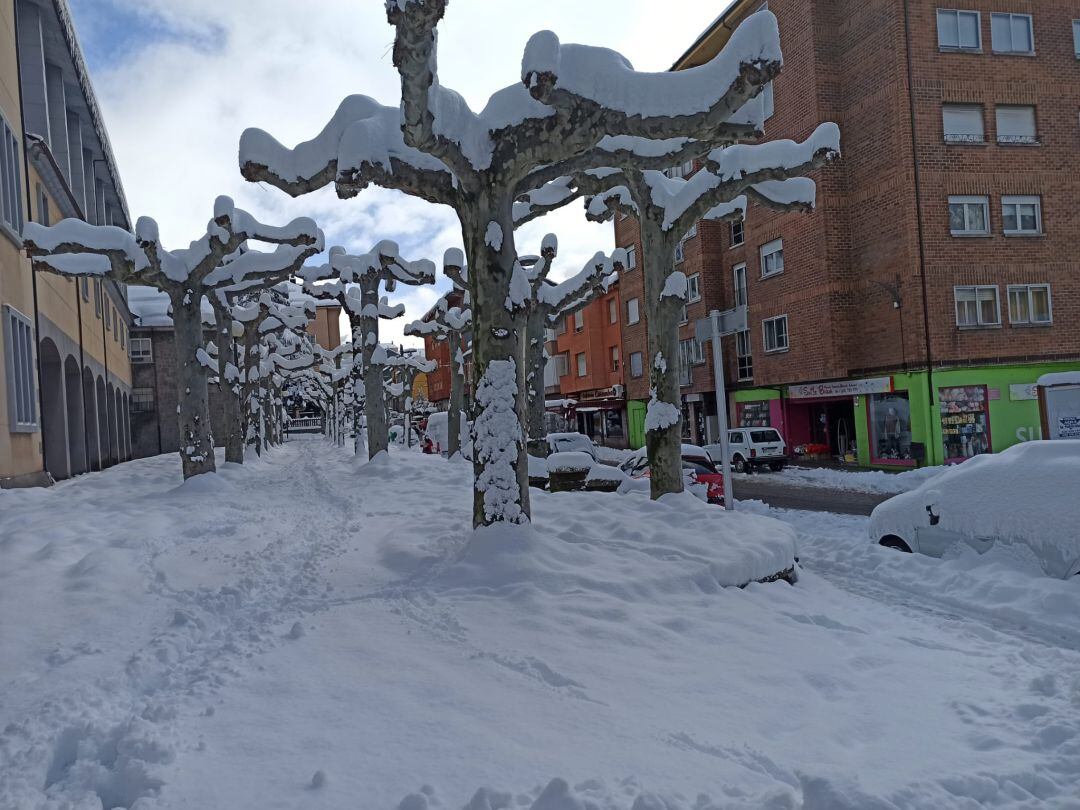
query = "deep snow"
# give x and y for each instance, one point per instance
(312, 632)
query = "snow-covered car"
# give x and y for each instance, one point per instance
(571, 443)
(1027, 495)
(753, 447)
(695, 460)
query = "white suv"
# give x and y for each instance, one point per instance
(753, 447)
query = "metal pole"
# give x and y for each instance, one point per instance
(721, 413)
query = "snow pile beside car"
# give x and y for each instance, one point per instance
(1028, 495)
(875, 481)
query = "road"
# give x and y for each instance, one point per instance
(782, 495)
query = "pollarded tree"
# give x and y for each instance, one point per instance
(666, 208)
(216, 260)
(434, 147)
(452, 325)
(548, 303)
(383, 266)
(406, 368)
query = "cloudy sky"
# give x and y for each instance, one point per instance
(179, 80)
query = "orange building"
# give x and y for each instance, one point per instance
(588, 361)
(326, 328)
(438, 381)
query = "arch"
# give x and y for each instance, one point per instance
(110, 422)
(103, 424)
(53, 411)
(76, 427)
(90, 409)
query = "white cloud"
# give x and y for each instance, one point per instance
(206, 69)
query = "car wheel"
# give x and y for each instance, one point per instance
(739, 464)
(895, 543)
(776, 466)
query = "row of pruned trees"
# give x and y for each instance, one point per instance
(579, 122)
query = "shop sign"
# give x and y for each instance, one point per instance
(1023, 391)
(844, 388)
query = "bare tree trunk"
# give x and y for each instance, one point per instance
(248, 388)
(500, 464)
(234, 429)
(534, 373)
(663, 436)
(457, 397)
(193, 413)
(378, 437)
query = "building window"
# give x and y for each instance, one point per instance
(684, 316)
(963, 123)
(1029, 305)
(693, 288)
(958, 30)
(633, 315)
(631, 256)
(562, 364)
(635, 364)
(1016, 124)
(738, 232)
(43, 206)
(890, 429)
(682, 170)
(977, 306)
(965, 421)
(613, 310)
(19, 364)
(581, 364)
(142, 400)
(123, 335)
(560, 326)
(1011, 33)
(97, 297)
(85, 284)
(680, 254)
(579, 321)
(1021, 216)
(740, 284)
(10, 177)
(745, 357)
(142, 350)
(614, 359)
(686, 360)
(1076, 38)
(772, 258)
(776, 334)
(116, 326)
(969, 216)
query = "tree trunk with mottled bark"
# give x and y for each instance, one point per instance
(457, 396)
(193, 413)
(378, 436)
(234, 428)
(534, 372)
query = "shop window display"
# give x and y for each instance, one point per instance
(890, 429)
(754, 414)
(965, 422)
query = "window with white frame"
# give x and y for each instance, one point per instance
(680, 254)
(142, 400)
(775, 333)
(614, 359)
(740, 284)
(958, 30)
(142, 350)
(581, 364)
(19, 367)
(682, 170)
(636, 368)
(686, 360)
(10, 178)
(631, 256)
(768, 102)
(772, 258)
(560, 327)
(1076, 38)
(744, 355)
(97, 297)
(579, 320)
(738, 232)
(969, 216)
(633, 312)
(693, 288)
(1029, 305)
(85, 284)
(977, 306)
(562, 364)
(684, 316)
(44, 216)
(963, 123)
(613, 310)
(1021, 216)
(1011, 33)
(1016, 124)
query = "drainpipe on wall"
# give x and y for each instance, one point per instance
(922, 237)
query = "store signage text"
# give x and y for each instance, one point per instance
(844, 388)
(1023, 391)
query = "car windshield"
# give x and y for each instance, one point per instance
(764, 436)
(699, 464)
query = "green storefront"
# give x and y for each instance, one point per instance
(891, 422)
(635, 418)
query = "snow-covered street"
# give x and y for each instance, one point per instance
(306, 632)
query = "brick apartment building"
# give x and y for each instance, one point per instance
(907, 318)
(587, 359)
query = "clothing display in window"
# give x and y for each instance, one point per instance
(965, 421)
(890, 428)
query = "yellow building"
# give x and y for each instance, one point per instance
(66, 383)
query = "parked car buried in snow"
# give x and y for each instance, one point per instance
(696, 461)
(571, 443)
(753, 447)
(1027, 496)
